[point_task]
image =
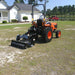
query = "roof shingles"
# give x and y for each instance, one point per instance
(23, 6)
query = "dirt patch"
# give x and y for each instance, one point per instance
(69, 25)
(8, 57)
(32, 55)
(5, 39)
(53, 73)
(3, 46)
(70, 29)
(1, 39)
(39, 55)
(4, 57)
(6, 30)
(17, 27)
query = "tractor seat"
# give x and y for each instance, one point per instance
(48, 23)
(39, 22)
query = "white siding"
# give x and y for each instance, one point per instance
(2, 6)
(13, 13)
(25, 14)
(28, 14)
(4, 14)
(9, 16)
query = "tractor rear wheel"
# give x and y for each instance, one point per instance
(47, 34)
(58, 33)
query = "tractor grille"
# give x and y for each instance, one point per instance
(55, 26)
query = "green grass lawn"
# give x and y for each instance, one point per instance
(54, 58)
(12, 26)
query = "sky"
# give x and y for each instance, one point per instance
(51, 4)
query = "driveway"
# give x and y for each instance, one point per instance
(13, 24)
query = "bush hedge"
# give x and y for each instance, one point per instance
(4, 21)
(25, 18)
(14, 20)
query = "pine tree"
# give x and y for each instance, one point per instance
(31, 1)
(34, 1)
(17, 1)
(21, 1)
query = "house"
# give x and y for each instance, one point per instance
(17, 11)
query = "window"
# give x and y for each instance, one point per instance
(0, 14)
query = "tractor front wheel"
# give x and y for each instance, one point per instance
(58, 33)
(47, 34)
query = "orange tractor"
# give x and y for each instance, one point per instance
(40, 27)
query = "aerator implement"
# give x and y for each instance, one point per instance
(40, 27)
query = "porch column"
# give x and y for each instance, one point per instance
(1, 16)
(9, 16)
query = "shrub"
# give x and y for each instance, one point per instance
(4, 21)
(25, 18)
(14, 20)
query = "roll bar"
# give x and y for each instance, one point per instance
(44, 6)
